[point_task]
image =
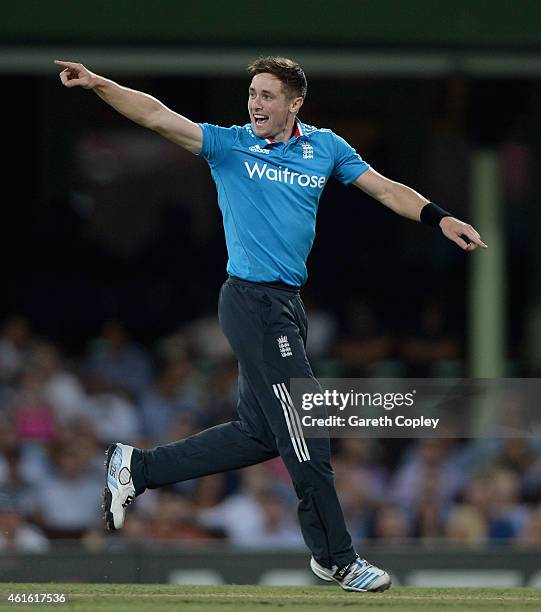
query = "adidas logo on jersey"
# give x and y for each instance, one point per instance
(257, 149)
(283, 345)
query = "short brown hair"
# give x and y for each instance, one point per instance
(289, 72)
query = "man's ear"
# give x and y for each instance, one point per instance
(295, 105)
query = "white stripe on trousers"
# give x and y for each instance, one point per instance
(293, 422)
(297, 418)
(286, 415)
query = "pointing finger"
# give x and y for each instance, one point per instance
(474, 238)
(65, 64)
(480, 243)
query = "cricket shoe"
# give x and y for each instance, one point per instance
(119, 490)
(359, 576)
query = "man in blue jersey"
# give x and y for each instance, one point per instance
(269, 175)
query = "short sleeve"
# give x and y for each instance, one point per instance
(348, 164)
(217, 142)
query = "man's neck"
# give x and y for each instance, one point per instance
(288, 132)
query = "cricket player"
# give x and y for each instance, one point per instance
(269, 175)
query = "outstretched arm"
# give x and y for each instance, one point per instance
(136, 105)
(408, 203)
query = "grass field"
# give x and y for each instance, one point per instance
(151, 597)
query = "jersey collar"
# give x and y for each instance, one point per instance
(297, 132)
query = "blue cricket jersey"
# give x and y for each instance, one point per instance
(269, 193)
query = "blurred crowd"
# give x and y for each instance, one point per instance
(58, 413)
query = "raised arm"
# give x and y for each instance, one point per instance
(408, 203)
(136, 105)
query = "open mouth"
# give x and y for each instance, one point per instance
(261, 120)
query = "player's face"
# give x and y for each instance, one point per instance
(271, 111)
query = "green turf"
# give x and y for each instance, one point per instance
(156, 597)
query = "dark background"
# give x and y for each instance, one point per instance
(74, 256)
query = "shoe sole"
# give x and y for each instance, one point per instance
(380, 589)
(327, 578)
(107, 497)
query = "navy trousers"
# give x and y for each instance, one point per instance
(266, 327)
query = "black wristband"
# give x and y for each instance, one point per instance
(432, 214)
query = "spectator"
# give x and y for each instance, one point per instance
(531, 535)
(477, 495)
(390, 525)
(110, 411)
(466, 525)
(278, 527)
(62, 390)
(175, 519)
(166, 400)
(209, 491)
(19, 460)
(15, 534)
(15, 341)
(429, 461)
(116, 359)
(221, 395)
(359, 482)
(67, 502)
(33, 415)
(428, 517)
(14, 482)
(242, 515)
(508, 517)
